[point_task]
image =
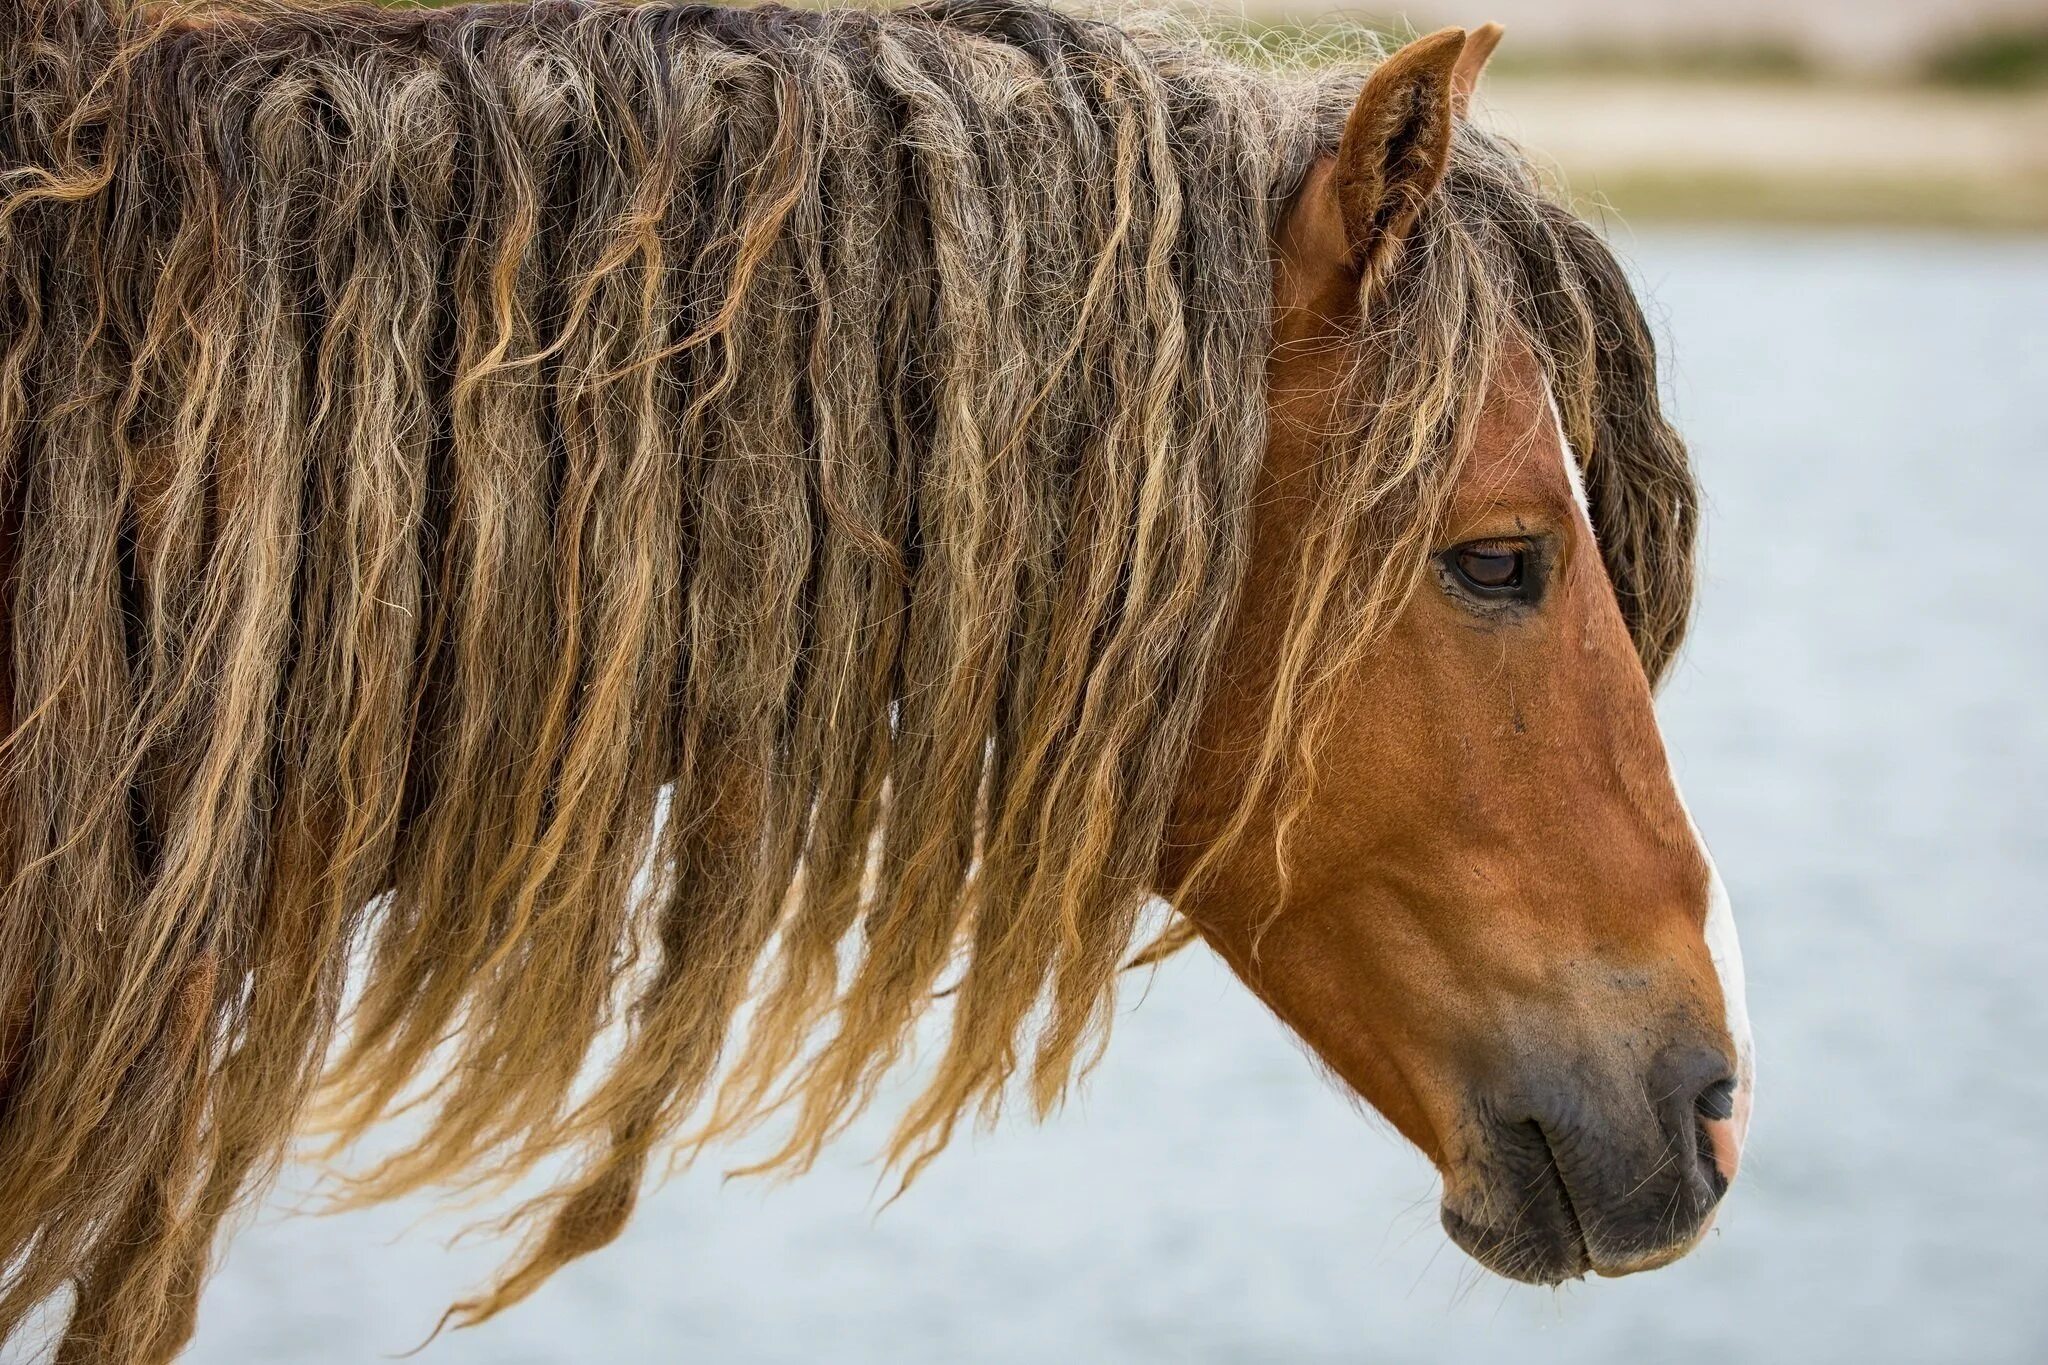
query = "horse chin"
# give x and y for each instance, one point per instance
(1654, 1260)
(1542, 1243)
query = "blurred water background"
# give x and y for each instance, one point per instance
(1858, 725)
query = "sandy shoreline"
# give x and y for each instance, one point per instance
(1769, 152)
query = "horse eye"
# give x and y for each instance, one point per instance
(1489, 568)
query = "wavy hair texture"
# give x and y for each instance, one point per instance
(536, 531)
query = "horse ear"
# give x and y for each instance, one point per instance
(1396, 145)
(1479, 45)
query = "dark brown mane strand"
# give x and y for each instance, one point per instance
(578, 517)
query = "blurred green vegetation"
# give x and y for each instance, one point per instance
(2014, 58)
(1757, 58)
(1286, 42)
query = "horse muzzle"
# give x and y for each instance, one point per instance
(1564, 1178)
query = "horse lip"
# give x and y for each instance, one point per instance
(1554, 1171)
(1610, 1268)
(1546, 1241)
(1507, 1250)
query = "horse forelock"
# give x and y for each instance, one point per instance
(614, 519)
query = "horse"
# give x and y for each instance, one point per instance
(576, 570)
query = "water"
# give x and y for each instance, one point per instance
(1859, 727)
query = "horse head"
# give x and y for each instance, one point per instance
(1486, 910)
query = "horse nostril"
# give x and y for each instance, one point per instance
(1714, 1136)
(1695, 1099)
(1717, 1101)
(1713, 1106)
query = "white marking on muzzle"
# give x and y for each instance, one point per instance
(1726, 951)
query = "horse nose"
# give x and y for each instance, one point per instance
(1695, 1090)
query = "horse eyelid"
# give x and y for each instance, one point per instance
(1526, 589)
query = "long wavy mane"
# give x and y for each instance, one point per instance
(539, 532)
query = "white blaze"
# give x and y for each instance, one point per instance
(1571, 461)
(1723, 947)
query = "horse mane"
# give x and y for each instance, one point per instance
(542, 532)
